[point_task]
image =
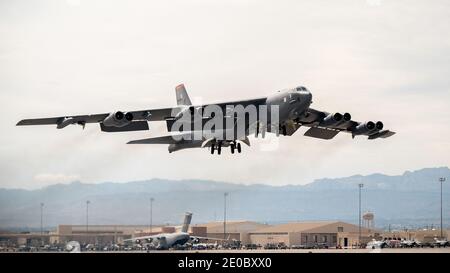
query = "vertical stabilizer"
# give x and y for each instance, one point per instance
(187, 222)
(182, 95)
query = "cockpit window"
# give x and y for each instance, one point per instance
(301, 88)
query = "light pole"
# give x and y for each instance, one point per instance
(87, 219)
(225, 215)
(42, 226)
(151, 213)
(42, 212)
(359, 236)
(442, 179)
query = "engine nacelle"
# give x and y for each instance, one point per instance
(347, 117)
(379, 125)
(364, 128)
(118, 119)
(332, 119)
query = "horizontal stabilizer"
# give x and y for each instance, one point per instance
(158, 140)
(321, 133)
(291, 128)
(133, 126)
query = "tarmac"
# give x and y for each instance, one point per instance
(384, 250)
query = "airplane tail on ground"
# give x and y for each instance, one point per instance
(182, 95)
(187, 222)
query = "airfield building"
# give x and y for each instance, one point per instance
(99, 233)
(329, 233)
(324, 233)
(235, 230)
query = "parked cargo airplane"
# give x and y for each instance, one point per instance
(168, 240)
(292, 106)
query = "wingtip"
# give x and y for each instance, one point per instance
(19, 123)
(390, 133)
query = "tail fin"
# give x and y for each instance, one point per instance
(182, 95)
(187, 222)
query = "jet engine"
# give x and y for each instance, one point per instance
(118, 119)
(347, 117)
(332, 119)
(366, 127)
(379, 125)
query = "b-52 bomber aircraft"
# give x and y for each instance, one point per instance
(281, 113)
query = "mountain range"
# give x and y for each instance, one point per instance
(411, 199)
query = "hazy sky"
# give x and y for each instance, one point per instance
(378, 60)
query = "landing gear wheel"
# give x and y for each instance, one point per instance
(232, 147)
(283, 128)
(219, 149)
(212, 149)
(239, 147)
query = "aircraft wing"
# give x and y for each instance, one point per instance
(209, 238)
(160, 114)
(223, 105)
(326, 125)
(141, 238)
(56, 120)
(142, 115)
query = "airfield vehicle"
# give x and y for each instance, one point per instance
(271, 246)
(299, 247)
(250, 246)
(376, 244)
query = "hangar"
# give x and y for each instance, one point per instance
(326, 233)
(96, 233)
(237, 230)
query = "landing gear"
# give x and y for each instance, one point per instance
(219, 148)
(233, 147)
(283, 130)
